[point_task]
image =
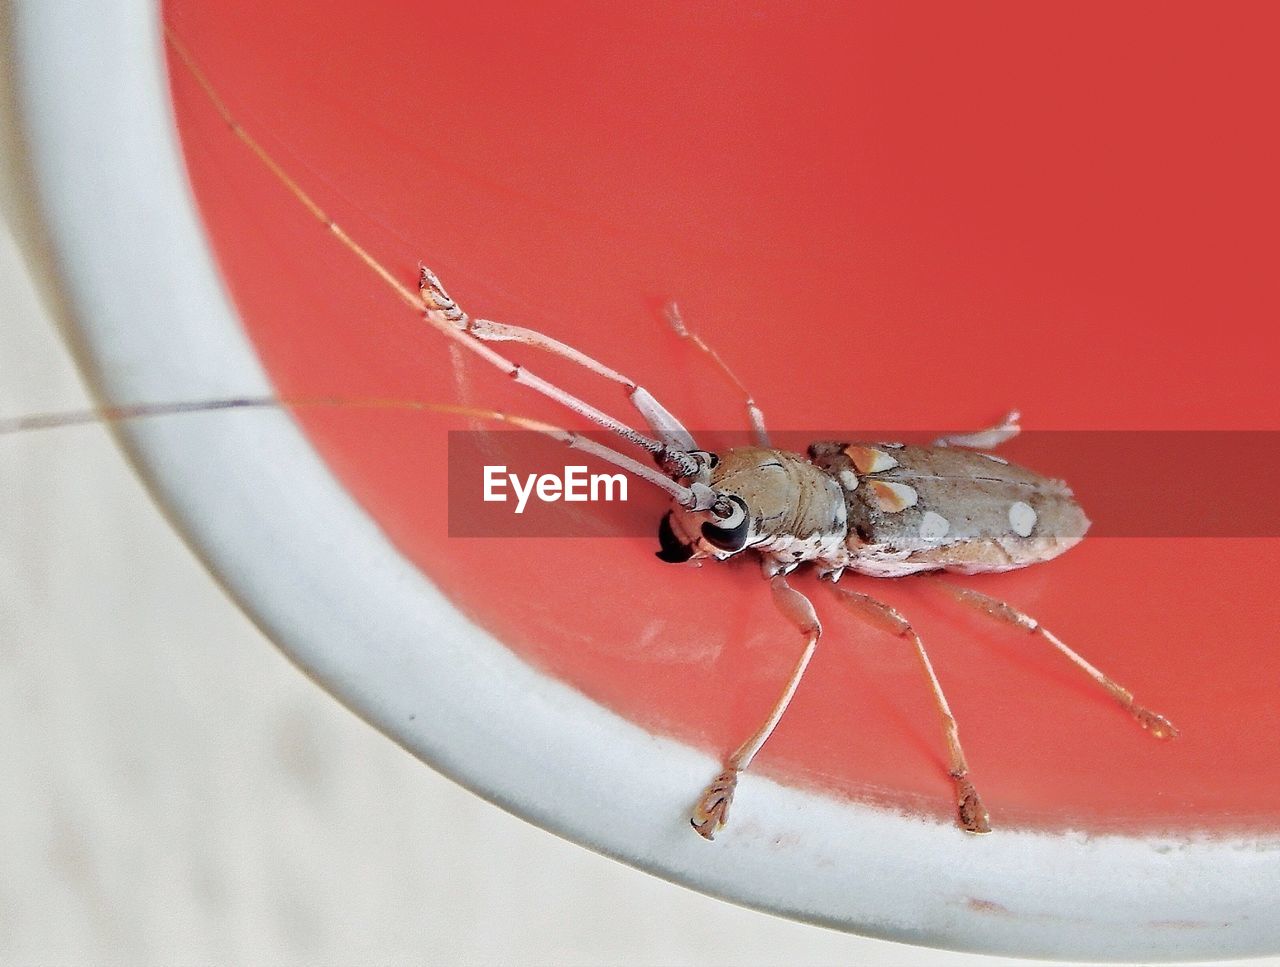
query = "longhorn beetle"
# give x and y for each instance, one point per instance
(880, 509)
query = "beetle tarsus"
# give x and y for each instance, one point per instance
(971, 813)
(1155, 723)
(712, 811)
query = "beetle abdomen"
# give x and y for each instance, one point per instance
(943, 508)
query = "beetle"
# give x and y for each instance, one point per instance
(877, 508)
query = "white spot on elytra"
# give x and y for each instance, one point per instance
(893, 497)
(1022, 518)
(848, 480)
(933, 527)
(994, 459)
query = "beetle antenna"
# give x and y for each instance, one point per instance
(433, 304)
(696, 497)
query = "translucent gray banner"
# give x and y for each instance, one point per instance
(1131, 483)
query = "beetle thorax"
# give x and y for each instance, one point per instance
(791, 511)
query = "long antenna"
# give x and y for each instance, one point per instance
(686, 496)
(441, 312)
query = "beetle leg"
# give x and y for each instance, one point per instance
(987, 439)
(971, 813)
(660, 420)
(1153, 722)
(712, 810)
(754, 413)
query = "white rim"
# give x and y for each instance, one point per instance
(154, 323)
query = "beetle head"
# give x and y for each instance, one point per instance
(721, 532)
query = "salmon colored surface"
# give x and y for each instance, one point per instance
(883, 216)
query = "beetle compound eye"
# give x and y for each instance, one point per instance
(707, 458)
(673, 550)
(730, 534)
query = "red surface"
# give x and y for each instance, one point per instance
(883, 216)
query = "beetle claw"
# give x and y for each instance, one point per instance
(712, 811)
(1153, 722)
(971, 813)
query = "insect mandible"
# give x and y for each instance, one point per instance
(881, 509)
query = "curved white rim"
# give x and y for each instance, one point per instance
(154, 323)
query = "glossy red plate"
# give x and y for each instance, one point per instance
(888, 220)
